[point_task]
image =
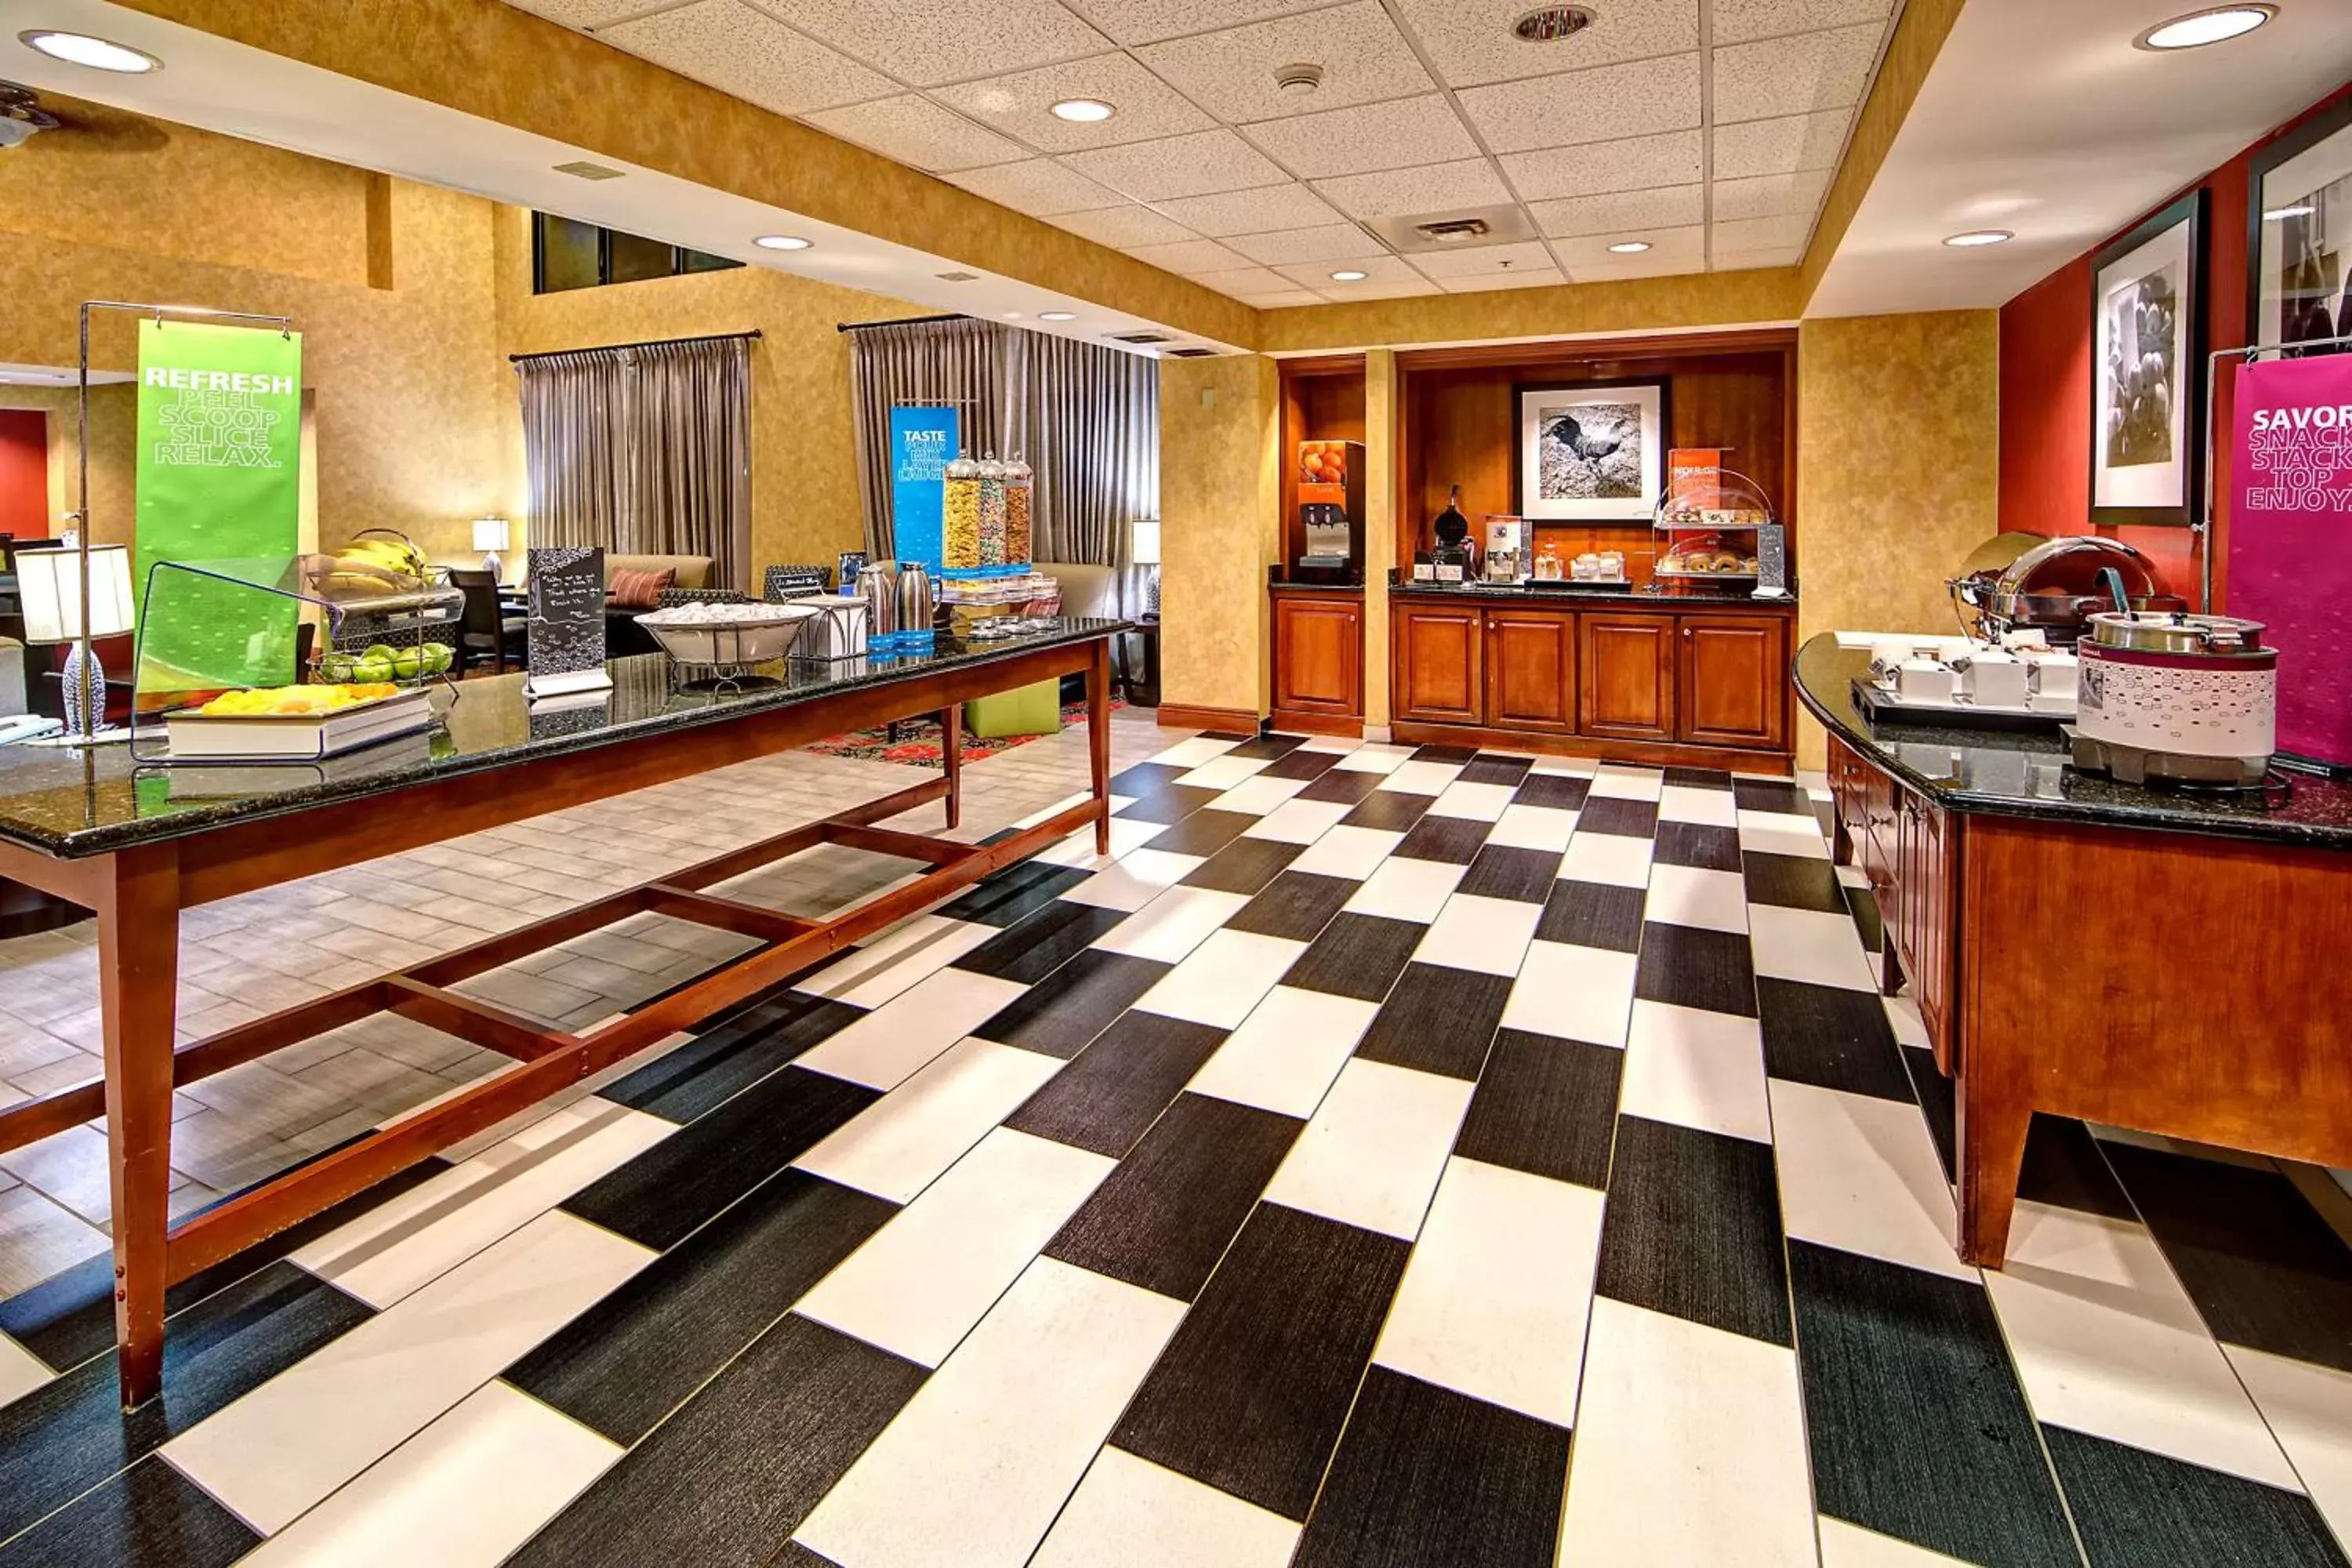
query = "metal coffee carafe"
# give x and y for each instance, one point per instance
(876, 586)
(915, 605)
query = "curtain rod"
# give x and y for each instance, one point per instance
(901, 321)
(650, 343)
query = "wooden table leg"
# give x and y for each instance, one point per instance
(952, 758)
(1098, 740)
(1996, 1113)
(138, 959)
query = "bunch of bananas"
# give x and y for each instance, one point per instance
(366, 567)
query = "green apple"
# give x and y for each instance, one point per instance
(408, 663)
(384, 651)
(438, 657)
(373, 671)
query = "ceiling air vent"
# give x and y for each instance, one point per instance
(1140, 337)
(957, 277)
(1549, 24)
(1453, 231)
(1191, 353)
(584, 170)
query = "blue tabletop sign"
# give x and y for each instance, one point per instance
(922, 443)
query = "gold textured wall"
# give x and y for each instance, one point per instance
(1218, 490)
(1379, 538)
(1898, 422)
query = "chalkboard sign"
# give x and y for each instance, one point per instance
(567, 621)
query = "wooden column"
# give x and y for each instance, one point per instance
(138, 959)
(952, 758)
(1382, 497)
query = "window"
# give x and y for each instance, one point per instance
(567, 254)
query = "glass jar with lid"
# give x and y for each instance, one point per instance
(959, 542)
(992, 516)
(1020, 497)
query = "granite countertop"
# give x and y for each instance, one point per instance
(1289, 585)
(1689, 593)
(76, 802)
(2011, 773)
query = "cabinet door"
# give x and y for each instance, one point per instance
(1626, 664)
(1531, 671)
(1318, 656)
(1733, 680)
(1440, 668)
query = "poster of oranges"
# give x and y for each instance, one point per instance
(1323, 462)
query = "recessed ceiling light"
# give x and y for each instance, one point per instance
(1012, 315)
(2208, 27)
(97, 54)
(783, 242)
(1628, 248)
(1977, 237)
(1084, 110)
(1549, 24)
(1349, 274)
(1057, 315)
(2280, 214)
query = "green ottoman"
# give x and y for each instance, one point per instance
(1034, 709)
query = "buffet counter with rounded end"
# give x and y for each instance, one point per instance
(2161, 960)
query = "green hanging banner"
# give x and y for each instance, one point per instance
(220, 454)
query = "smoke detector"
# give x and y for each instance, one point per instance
(1549, 24)
(1299, 79)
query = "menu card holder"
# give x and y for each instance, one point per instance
(566, 634)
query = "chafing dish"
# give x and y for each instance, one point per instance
(2180, 698)
(2052, 587)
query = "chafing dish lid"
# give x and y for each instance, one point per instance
(2071, 565)
(2150, 631)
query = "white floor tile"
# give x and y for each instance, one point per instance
(899, 1144)
(1222, 978)
(1847, 1545)
(21, 1371)
(1258, 795)
(1351, 852)
(921, 1282)
(1172, 924)
(1224, 772)
(1287, 1052)
(464, 1493)
(1690, 1448)
(422, 1233)
(870, 976)
(1343, 744)
(1572, 994)
(1132, 1511)
(975, 1467)
(1810, 945)
(1375, 1146)
(281, 1449)
(1134, 881)
(1494, 1301)
(1570, 767)
(1192, 753)
(1688, 803)
(1616, 859)
(1422, 778)
(1627, 783)
(1063, 805)
(1910, 1029)
(1477, 802)
(1533, 827)
(882, 1049)
(1861, 1174)
(1375, 757)
(1695, 1067)
(1488, 935)
(1297, 821)
(2309, 1407)
(1853, 876)
(1402, 890)
(1782, 833)
(1689, 896)
(2106, 1341)
(1127, 835)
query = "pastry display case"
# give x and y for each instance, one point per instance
(1710, 532)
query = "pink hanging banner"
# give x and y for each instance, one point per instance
(2290, 509)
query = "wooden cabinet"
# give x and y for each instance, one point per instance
(1319, 655)
(1732, 681)
(1919, 924)
(1531, 671)
(1440, 664)
(1626, 666)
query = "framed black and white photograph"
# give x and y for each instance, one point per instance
(1590, 451)
(2299, 235)
(2148, 369)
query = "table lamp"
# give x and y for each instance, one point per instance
(491, 536)
(1146, 550)
(49, 583)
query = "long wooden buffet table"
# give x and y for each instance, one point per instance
(2155, 960)
(90, 826)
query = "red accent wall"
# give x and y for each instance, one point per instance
(24, 473)
(2045, 380)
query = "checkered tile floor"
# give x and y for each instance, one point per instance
(1386, 1157)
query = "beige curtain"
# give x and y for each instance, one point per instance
(1091, 428)
(956, 362)
(572, 418)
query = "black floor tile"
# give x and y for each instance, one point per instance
(1456, 755)
(1561, 791)
(1699, 778)
(1389, 810)
(638, 1353)
(1487, 767)
(1019, 891)
(1939, 1098)
(1694, 1229)
(1356, 955)
(1453, 840)
(717, 1065)
(1252, 1391)
(732, 1475)
(1863, 904)
(1029, 950)
(1342, 787)
(1830, 1036)
(1070, 1006)
(1203, 833)
(1795, 882)
(1438, 1019)
(1630, 818)
(1169, 804)
(1144, 778)
(1697, 844)
(1913, 1412)
(2261, 1266)
(1232, 736)
(1545, 1106)
(1690, 967)
(1593, 914)
(1771, 795)
(1296, 905)
(665, 1194)
(1167, 1213)
(71, 1434)
(2064, 1166)
(2134, 1507)
(1268, 746)
(1110, 1094)
(1425, 1475)
(150, 1515)
(1503, 872)
(1244, 866)
(1303, 764)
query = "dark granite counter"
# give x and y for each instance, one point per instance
(2005, 773)
(1687, 593)
(78, 802)
(1286, 585)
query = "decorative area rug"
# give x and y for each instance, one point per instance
(918, 741)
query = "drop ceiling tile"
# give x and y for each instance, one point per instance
(913, 129)
(1244, 282)
(1608, 103)
(1795, 74)
(1470, 41)
(1287, 299)
(1782, 145)
(1254, 211)
(1635, 163)
(1318, 276)
(1230, 74)
(1149, 21)
(584, 14)
(1762, 233)
(1747, 260)
(1190, 256)
(1021, 104)
(1665, 244)
(1770, 195)
(1487, 282)
(1366, 138)
(1736, 21)
(1038, 186)
(1474, 260)
(1331, 242)
(928, 42)
(1343, 293)
(726, 44)
(1669, 208)
(1200, 165)
(1123, 226)
(1436, 187)
(1620, 267)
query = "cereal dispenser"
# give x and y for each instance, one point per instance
(1020, 494)
(992, 517)
(960, 543)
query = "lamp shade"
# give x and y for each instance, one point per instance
(490, 533)
(49, 583)
(1147, 542)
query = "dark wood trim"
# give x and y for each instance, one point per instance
(1643, 752)
(2190, 319)
(479, 1023)
(1176, 716)
(1297, 723)
(1665, 345)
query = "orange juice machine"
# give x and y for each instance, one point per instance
(1331, 510)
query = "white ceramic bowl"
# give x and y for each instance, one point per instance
(731, 642)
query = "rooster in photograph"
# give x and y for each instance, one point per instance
(1568, 432)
